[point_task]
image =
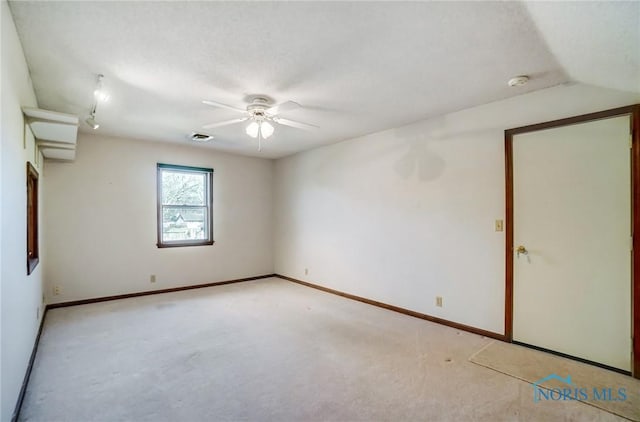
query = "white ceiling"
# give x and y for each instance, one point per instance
(355, 67)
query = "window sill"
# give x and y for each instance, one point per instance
(180, 245)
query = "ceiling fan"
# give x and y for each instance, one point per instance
(260, 114)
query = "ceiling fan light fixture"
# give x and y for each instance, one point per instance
(261, 116)
(252, 129)
(266, 129)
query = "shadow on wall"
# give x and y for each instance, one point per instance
(407, 152)
(417, 161)
(420, 161)
(410, 153)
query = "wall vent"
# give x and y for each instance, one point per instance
(200, 137)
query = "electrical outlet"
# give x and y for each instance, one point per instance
(306, 271)
(439, 301)
(499, 225)
(56, 290)
(152, 278)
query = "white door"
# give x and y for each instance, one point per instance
(572, 214)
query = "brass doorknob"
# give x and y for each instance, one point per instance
(521, 250)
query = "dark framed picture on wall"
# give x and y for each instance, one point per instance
(33, 256)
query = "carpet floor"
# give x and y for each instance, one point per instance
(268, 350)
(608, 390)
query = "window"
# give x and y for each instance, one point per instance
(32, 219)
(185, 215)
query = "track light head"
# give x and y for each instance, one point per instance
(99, 93)
(91, 121)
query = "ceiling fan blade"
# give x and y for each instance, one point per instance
(217, 104)
(224, 123)
(282, 107)
(293, 123)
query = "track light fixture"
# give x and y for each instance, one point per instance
(99, 94)
(91, 121)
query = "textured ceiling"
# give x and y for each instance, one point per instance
(355, 67)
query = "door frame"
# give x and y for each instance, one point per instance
(634, 112)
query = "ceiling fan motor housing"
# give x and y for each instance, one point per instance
(257, 108)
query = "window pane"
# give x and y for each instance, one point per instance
(180, 188)
(184, 214)
(184, 223)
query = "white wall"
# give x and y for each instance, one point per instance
(21, 295)
(405, 215)
(100, 224)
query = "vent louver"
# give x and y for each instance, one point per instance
(200, 137)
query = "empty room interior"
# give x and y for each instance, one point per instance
(320, 211)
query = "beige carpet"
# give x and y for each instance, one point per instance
(532, 366)
(268, 350)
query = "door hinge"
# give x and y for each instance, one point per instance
(630, 140)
